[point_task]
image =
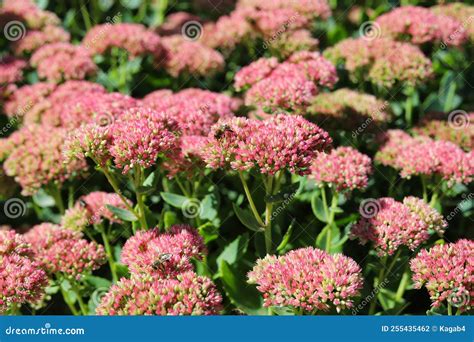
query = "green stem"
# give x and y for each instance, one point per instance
(70, 199)
(409, 110)
(85, 17)
(108, 251)
(332, 214)
(450, 310)
(268, 217)
(434, 199)
(113, 183)
(250, 199)
(325, 202)
(402, 286)
(182, 187)
(56, 193)
(425, 188)
(448, 104)
(139, 196)
(82, 305)
(68, 302)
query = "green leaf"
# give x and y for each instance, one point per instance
(335, 237)
(42, 199)
(170, 218)
(122, 214)
(286, 237)
(242, 295)
(208, 208)
(208, 231)
(122, 270)
(174, 200)
(287, 193)
(235, 250)
(318, 208)
(248, 220)
(97, 282)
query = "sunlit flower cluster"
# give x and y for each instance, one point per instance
(308, 279)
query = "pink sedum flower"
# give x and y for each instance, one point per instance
(344, 168)
(196, 110)
(136, 39)
(63, 61)
(280, 143)
(308, 279)
(437, 127)
(187, 294)
(390, 224)
(11, 69)
(185, 57)
(92, 209)
(21, 278)
(421, 25)
(163, 255)
(422, 156)
(461, 12)
(34, 157)
(29, 12)
(348, 109)
(447, 272)
(33, 40)
(140, 136)
(64, 251)
(381, 61)
(288, 86)
(309, 8)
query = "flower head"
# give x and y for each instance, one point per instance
(140, 136)
(163, 255)
(29, 12)
(92, 209)
(348, 109)
(136, 39)
(187, 294)
(381, 61)
(421, 25)
(62, 61)
(34, 157)
(447, 272)
(392, 224)
(33, 40)
(195, 110)
(308, 279)
(282, 142)
(190, 57)
(437, 127)
(424, 156)
(21, 278)
(462, 12)
(64, 251)
(11, 69)
(344, 168)
(289, 86)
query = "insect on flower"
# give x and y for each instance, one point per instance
(162, 259)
